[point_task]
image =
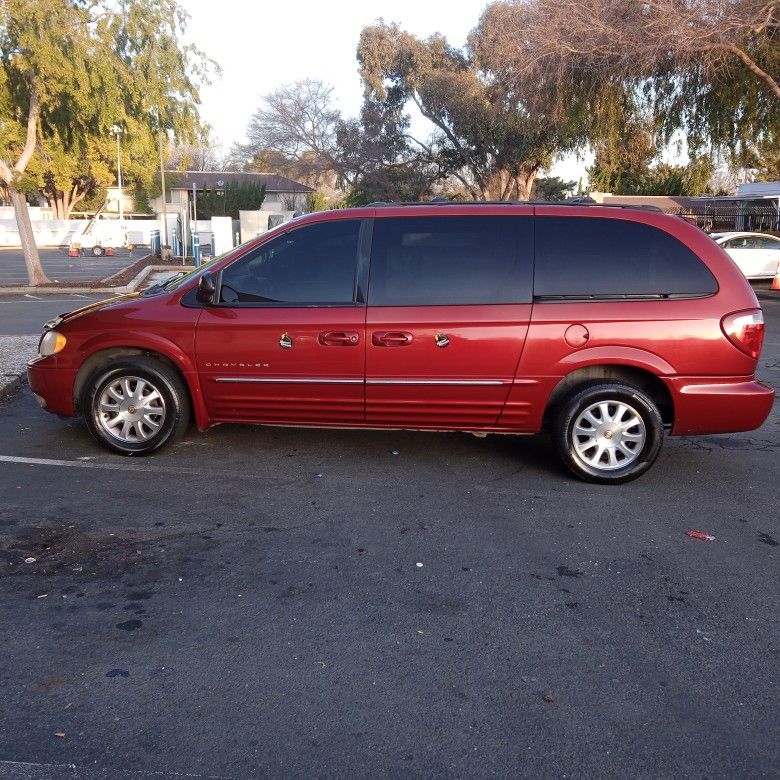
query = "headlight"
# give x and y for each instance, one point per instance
(52, 342)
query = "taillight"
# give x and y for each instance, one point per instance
(745, 330)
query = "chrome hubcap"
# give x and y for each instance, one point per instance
(131, 409)
(608, 435)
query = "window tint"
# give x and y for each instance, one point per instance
(311, 264)
(583, 256)
(451, 260)
(769, 243)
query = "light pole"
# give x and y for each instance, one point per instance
(117, 131)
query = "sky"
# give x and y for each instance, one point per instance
(261, 45)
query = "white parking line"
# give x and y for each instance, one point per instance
(86, 464)
(134, 465)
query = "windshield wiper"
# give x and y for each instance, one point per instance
(161, 286)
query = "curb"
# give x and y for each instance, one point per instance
(130, 287)
(37, 291)
(10, 384)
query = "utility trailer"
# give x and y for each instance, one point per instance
(100, 235)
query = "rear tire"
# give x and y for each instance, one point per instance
(135, 405)
(98, 251)
(608, 432)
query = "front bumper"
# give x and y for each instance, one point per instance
(719, 404)
(53, 383)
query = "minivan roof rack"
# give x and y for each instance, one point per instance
(437, 202)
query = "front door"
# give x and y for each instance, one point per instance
(449, 308)
(285, 344)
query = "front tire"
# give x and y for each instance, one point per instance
(98, 251)
(136, 405)
(608, 433)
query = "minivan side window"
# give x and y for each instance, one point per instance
(312, 264)
(591, 257)
(430, 261)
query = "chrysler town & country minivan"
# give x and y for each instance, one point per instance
(608, 327)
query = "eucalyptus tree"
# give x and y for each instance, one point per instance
(492, 133)
(709, 69)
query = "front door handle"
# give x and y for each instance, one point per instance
(392, 338)
(339, 338)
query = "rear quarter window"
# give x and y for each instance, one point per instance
(587, 257)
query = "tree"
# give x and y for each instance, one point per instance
(316, 201)
(660, 179)
(76, 174)
(552, 188)
(299, 133)
(204, 153)
(493, 136)
(758, 161)
(243, 196)
(707, 67)
(628, 162)
(69, 69)
(377, 157)
(69, 178)
(294, 133)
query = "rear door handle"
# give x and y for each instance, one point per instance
(393, 338)
(339, 338)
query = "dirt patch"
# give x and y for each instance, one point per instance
(43, 552)
(126, 275)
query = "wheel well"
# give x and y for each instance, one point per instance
(99, 359)
(644, 380)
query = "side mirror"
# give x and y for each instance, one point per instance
(207, 288)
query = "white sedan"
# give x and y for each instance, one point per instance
(756, 254)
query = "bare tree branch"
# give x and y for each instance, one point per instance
(751, 65)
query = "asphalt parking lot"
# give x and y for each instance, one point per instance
(296, 603)
(26, 313)
(61, 268)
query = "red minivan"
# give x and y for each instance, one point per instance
(605, 326)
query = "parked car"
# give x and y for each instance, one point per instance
(756, 254)
(605, 326)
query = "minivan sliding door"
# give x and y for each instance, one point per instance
(449, 308)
